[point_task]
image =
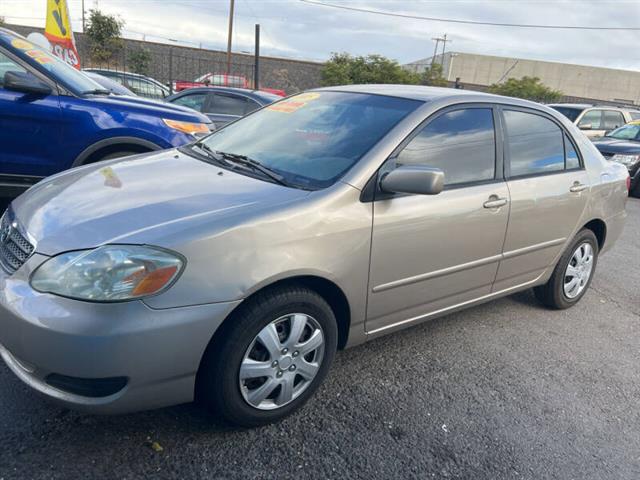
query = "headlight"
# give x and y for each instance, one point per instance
(108, 274)
(195, 129)
(628, 160)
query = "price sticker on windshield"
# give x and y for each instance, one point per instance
(292, 104)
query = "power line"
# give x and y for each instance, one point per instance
(465, 22)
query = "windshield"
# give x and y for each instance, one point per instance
(570, 112)
(626, 132)
(312, 139)
(57, 68)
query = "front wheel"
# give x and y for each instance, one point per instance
(270, 357)
(573, 273)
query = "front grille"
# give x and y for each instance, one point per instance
(15, 249)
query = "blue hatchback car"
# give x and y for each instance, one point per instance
(53, 117)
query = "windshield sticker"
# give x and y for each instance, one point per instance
(292, 104)
(21, 44)
(39, 56)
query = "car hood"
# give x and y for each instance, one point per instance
(613, 145)
(139, 199)
(154, 107)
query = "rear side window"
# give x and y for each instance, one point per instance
(572, 160)
(535, 144)
(613, 120)
(461, 143)
(227, 105)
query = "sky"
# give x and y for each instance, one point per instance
(294, 29)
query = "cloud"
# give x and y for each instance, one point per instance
(294, 29)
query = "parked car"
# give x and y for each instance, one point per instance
(222, 80)
(623, 146)
(222, 104)
(139, 84)
(231, 269)
(111, 85)
(55, 117)
(595, 121)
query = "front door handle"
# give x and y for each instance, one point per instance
(495, 202)
(577, 187)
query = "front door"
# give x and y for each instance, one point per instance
(431, 253)
(548, 187)
(30, 132)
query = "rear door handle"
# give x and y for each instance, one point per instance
(495, 202)
(577, 187)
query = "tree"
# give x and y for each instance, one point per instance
(140, 61)
(344, 69)
(2, 22)
(432, 76)
(529, 88)
(103, 32)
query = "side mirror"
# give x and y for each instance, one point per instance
(416, 179)
(585, 126)
(26, 83)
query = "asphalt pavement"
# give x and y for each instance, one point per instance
(504, 390)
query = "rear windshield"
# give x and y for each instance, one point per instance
(312, 139)
(570, 112)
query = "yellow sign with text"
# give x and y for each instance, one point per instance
(59, 32)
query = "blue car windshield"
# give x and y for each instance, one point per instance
(59, 70)
(314, 138)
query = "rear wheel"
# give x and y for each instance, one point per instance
(573, 273)
(635, 192)
(271, 357)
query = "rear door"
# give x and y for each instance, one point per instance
(432, 252)
(548, 186)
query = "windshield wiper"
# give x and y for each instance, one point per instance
(251, 163)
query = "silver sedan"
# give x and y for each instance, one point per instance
(231, 270)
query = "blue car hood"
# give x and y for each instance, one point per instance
(144, 199)
(152, 107)
(614, 145)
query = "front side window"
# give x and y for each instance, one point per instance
(193, 100)
(535, 144)
(461, 143)
(613, 120)
(592, 120)
(8, 65)
(314, 138)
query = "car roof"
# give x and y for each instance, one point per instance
(571, 105)
(254, 94)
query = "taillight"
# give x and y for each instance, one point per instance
(628, 183)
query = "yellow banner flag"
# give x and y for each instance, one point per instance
(59, 32)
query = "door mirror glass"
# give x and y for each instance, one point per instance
(413, 179)
(585, 126)
(25, 82)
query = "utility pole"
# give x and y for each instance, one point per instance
(231, 5)
(435, 50)
(84, 25)
(444, 46)
(256, 69)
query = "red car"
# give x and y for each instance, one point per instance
(221, 80)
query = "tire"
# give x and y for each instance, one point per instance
(635, 191)
(553, 294)
(219, 385)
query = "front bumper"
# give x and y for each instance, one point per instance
(158, 351)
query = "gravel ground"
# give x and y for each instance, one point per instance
(504, 390)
